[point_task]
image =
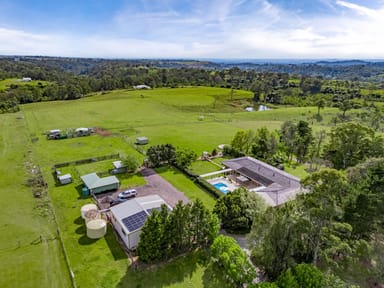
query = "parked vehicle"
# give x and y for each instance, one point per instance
(128, 193)
(117, 200)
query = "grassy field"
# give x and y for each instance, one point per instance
(6, 83)
(30, 252)
(198, 118)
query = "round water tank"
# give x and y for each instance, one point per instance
(92, 215)
(96, 228)
(86, 208)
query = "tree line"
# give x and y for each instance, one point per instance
(69, 79)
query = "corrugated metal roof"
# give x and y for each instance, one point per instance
(94, 181)
(123, 211)
(280, 186)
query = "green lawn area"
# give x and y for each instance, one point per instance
(6, 83)
(188, 271)
(164, 116)
(184, 184)
(203, 167)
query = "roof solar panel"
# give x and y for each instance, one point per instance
(135, 221)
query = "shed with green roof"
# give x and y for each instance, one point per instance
(96, 185)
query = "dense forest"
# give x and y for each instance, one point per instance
(316, 84)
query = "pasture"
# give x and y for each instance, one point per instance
(198, 118)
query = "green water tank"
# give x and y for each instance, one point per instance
(85, 191)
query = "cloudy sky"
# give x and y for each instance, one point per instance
(194, 28)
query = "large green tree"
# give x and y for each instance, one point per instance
(322, 205)
(275, 239)
(243, 140)
(237, 209)
(226, 253)
(352, 143)
(184, 157)
(303, 140)
(365, 212)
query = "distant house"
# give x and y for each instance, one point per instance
(138, 87)
(96, 185)
(141, 140)
(26, 79)
(129, 217)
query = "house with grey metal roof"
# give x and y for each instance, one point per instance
(274, 185)
(96, 185)
(129, 217)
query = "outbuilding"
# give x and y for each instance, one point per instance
(129, 217)
(64, 179)
(141, 140)
(119, 167)
(96, 185)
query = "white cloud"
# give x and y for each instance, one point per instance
(217, 29)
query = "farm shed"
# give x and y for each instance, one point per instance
(118, 167)
(129, 217)
(64, 179)
(142, 140)
(96, 185)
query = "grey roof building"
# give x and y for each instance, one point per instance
(275, 186)
(129, 217)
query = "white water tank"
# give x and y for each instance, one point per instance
(86, 208)
(92, 215)
(96, 228)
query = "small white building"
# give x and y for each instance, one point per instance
(129, 217)
(64, 179)
(139, 87)
(142, 140)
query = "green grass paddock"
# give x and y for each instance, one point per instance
(198, 118)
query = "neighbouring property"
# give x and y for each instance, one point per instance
(94, 184)
(129, 217)
(274, 185)
(141, 140)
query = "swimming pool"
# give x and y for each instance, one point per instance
(222, 187)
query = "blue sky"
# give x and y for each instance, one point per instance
(193, 29)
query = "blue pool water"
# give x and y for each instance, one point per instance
(222, 187)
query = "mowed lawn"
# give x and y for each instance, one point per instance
(195, 117)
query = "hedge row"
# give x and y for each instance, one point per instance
(201, 182)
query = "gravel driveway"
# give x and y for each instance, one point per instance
(155, 185)
(158, 185)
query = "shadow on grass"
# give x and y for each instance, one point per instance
(214, 278)
(79, 189)
(113, 244)
(81, 230)
(161, 275)
(84, 240)
(79, 221)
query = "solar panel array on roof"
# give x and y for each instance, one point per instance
(135, 221)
